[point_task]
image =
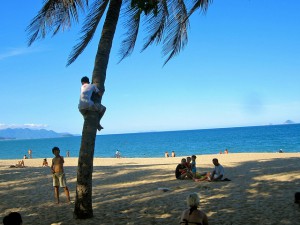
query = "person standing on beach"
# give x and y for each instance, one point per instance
(173, 154)
(86, 103)
(118, 154)
(30, 153)
(193, 166)
(59, 178)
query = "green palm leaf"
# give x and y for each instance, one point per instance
(132, 23)
(55, 15)
(88, 30)
(156, 24)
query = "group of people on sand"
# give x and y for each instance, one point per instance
(187, 170)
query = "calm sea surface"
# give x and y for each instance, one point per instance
(154, 144)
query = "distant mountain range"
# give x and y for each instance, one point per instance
(25, 133)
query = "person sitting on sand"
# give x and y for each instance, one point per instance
(59, 178)
(182, 172)
(45, 163)
(14, 218)
(188, 163)
(193, 215)
(216, 175)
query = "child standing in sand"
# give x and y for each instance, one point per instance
(193, 166)
(59, 178)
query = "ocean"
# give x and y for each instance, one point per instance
(154, 144)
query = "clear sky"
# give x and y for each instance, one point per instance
(241, 67)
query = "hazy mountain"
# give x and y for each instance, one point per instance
(289, 122)
(25, 133)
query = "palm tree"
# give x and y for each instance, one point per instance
(166, 21)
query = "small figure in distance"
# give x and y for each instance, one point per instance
(86, 103)
(182, 172)
(14, 218)
(68, 153)
(59, 178)
(118, 154)
(166, 154)
(226, 151)
(45, 163)
(25, 157)
(30, 153)
(173, 154)
(216, 175)
(193, 215)
(221, 152)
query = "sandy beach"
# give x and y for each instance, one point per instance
(128, 191)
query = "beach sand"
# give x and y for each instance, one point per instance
(127, 191)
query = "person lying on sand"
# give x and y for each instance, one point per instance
(20, 164)
(193, 215)
(216, 175)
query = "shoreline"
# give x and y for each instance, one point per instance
(206, 159)
(129, 190)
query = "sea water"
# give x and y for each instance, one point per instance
(155, 144)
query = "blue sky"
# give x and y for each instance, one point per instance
(240, 68)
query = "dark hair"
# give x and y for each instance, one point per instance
(14, 218)
(85, 80)
(55, 149)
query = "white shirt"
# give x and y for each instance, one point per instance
(219, 170)
(85, 95)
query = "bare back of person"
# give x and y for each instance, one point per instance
(195, 218)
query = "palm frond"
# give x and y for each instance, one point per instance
(200, 4)
(176, 37)
(55, 15)
(132, 24)
(88, 30)
(156, 24)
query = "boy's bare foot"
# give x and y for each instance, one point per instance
(99, 127)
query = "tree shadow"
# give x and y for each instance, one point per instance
(130, 194)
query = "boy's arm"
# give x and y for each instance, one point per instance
(52, 167)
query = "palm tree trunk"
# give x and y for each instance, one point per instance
(83, 202)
